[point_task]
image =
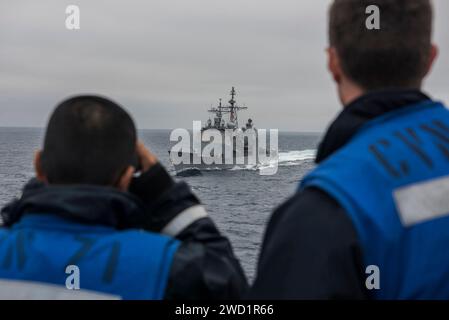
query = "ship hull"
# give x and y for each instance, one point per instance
(207, 164)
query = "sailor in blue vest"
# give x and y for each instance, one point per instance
(371, 221)
(88, 222)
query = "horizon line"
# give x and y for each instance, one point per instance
(154, 129)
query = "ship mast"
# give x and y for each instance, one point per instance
(233, 108)
(233, 115)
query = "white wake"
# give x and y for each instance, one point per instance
(293, 158)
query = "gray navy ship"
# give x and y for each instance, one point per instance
(236, 151)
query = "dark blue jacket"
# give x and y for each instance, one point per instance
(311, 248)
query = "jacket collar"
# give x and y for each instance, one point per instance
(82, 204)
(359, 112)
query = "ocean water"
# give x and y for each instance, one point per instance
(239, 201)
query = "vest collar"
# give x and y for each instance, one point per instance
(359, 112)
(91, 205)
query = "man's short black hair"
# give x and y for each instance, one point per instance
(89, 140)
(396, 56)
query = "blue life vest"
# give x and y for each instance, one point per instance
(129, 264)
(392, 179)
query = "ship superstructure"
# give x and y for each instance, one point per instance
(219, 121)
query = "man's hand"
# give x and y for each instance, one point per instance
(146, 158)
(151, 186)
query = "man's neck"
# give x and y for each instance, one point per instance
(349, 93)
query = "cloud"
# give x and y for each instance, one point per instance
(167, 61)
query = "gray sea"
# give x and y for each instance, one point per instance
(240, 201)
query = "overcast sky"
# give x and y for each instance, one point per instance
(167, 61)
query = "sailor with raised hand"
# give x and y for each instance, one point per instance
(130, 238)
(372, 220)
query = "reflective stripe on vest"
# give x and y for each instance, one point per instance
(392, 179)
(128, 264)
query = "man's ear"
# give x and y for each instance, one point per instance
(432, 58)
(333, 64)
(126, 178)
(40, 174)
